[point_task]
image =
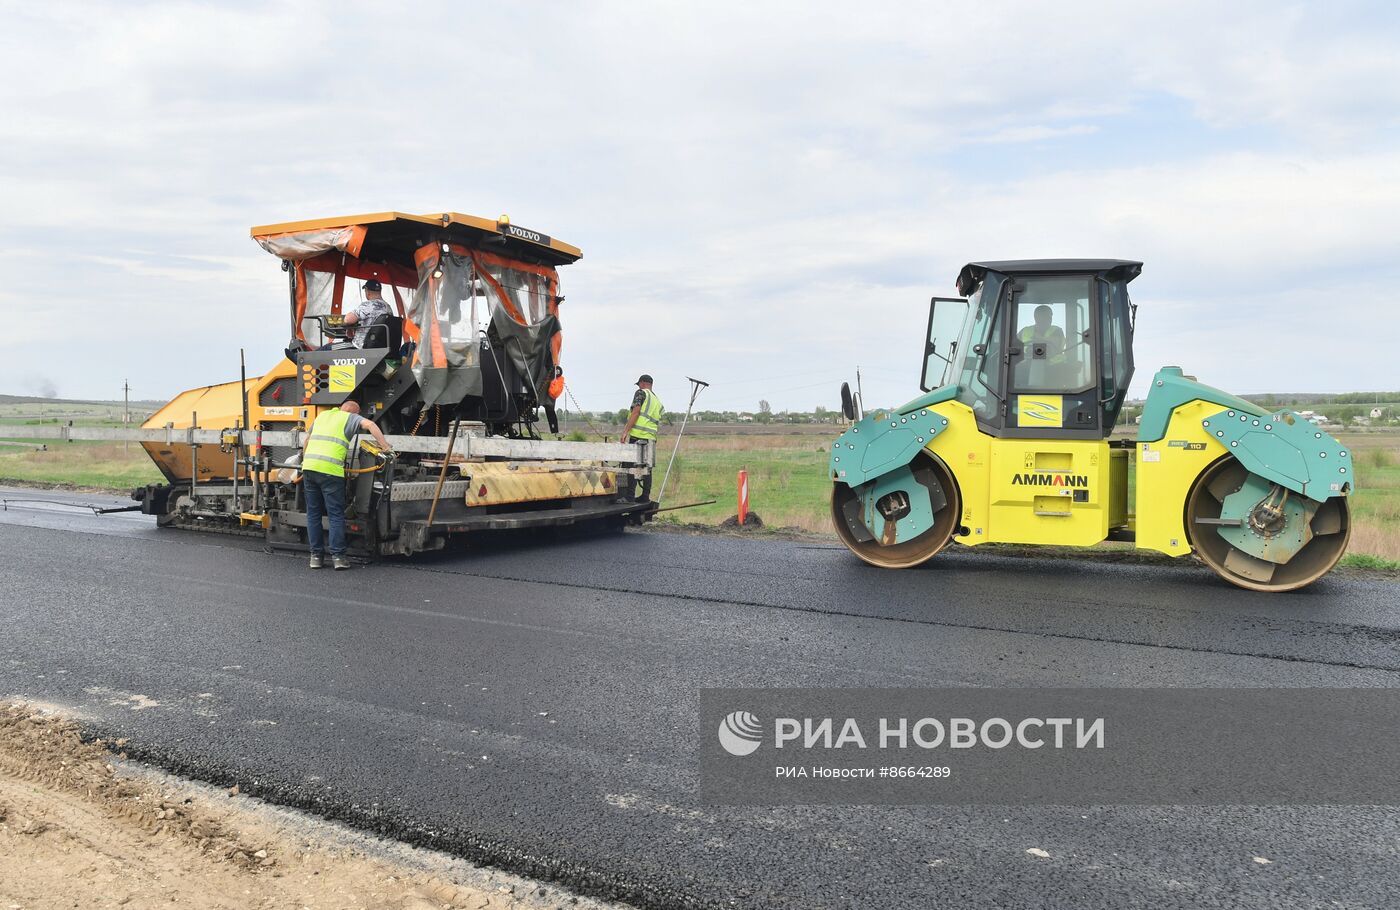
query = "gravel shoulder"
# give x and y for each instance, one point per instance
(80, 826)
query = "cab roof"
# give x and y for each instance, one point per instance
(1114, 269)
(395, 236)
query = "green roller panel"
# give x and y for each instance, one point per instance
(881, 442)
(1286, 449)
(1278, 548)
(907, 527)
(1170, 390)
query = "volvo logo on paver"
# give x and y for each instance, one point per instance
(525, 234)
(740, 733)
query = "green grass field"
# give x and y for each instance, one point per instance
(1375, 506)
(787, 479)
(104, 465)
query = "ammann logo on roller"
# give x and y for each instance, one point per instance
(1063, 481)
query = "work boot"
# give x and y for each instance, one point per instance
(340, 562)
(316, 562)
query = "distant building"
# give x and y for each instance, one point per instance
(1377, 413)
(746, 418)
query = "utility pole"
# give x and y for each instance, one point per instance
(860, 389)
(126, 413)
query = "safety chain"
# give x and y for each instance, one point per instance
(581, 412)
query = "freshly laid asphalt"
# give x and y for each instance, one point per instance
(533, 704)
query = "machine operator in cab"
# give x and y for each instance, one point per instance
(642, 424)
(323, 461)
(372, 312)
(1043, 363)
(1044, 330)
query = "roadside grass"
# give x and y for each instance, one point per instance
(787, 479)
(83, 464)
(788, 487)
(1366, 561)
(1375, 506)
(54, 410)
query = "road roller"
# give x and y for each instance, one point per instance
(1024, 376)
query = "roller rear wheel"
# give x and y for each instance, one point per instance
(927, 470)
(1330, 527)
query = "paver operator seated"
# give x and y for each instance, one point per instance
(372, 312)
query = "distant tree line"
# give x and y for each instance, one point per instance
(818, 414)
(1292, 399)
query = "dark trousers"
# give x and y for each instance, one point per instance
(325, 495)
(552, 417)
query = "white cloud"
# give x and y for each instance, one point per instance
(1033, 133)
(760, 190)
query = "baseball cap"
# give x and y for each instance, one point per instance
(645, 377)
(373, 285)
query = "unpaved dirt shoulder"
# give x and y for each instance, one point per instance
(82, 827)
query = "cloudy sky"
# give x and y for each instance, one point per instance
(766, 193)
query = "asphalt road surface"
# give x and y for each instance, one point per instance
(534, 705)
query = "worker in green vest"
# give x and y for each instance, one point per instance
(642, 424)
(323, 461)
(1041, 364)
(1045, 331)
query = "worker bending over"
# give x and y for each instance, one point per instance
(642, 424)
(323, 461)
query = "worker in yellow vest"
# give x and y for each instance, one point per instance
(323, 473)
(1043, 330)
(642, 424)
